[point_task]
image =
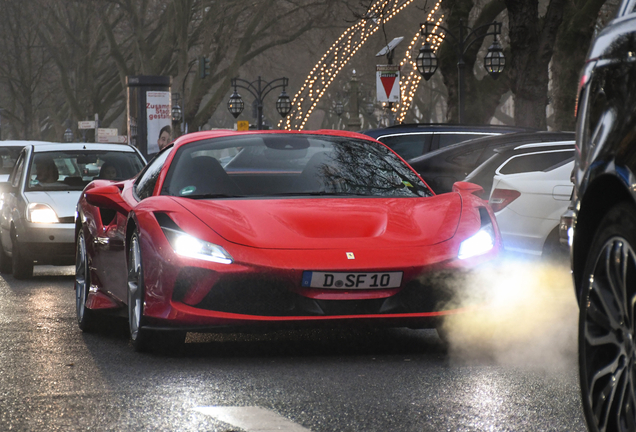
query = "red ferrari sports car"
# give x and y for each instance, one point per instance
(231, 229)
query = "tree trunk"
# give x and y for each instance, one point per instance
(531, 48)
(573, 40)
(481, 96)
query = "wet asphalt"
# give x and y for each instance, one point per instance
(53, 377)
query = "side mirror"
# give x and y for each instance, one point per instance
(467, 188)
(108, 197)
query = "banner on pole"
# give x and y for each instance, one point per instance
(388, 83)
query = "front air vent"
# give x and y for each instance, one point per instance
(166, 222)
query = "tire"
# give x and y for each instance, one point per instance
(607, 343)
(22, 267)
(5, 261)
(142, 339)
(86, 319)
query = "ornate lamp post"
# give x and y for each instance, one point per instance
(494, 61)
(259, 89)
(68, 135)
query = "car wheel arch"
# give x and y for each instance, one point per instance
(601, 194)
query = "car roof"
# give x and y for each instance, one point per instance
(218, 133)
(20, 143)
(443, 127)
(527, 148)
(514, 139)
(51, 146)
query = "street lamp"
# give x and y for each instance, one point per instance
(339, 108)
(494, 61)
(68, 135)
(259, 89)
(177, 114)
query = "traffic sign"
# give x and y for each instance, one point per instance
(88, 124)
(117, 139)
(242, 125)
(388, 83)
(107, 132)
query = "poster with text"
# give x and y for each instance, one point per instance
(158, 114)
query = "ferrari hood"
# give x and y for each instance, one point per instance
(328, 223)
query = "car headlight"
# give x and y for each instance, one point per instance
(188, 246)
(41, 213)
(481, 242)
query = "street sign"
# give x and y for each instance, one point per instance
(107, 132)
(388, 83)
(117, 139)
(89, 124)
(242, 125)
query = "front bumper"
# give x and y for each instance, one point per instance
(48, 243)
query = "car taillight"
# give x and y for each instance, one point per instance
(500, 198)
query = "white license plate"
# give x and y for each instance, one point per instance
(338, 280)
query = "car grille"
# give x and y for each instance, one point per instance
(275, 297)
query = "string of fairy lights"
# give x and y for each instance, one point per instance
(342, 51)
(410, 77)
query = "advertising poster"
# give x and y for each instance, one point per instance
(159, 118)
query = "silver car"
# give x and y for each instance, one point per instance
(37, 207)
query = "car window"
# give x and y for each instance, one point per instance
(467, 158)
(544, 161)
(17, 172)
(8, 158)
(68, 170)
(145, 184)
(408, 146)
(446, 139)
(278, 165)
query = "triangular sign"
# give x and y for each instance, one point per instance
(387, 83)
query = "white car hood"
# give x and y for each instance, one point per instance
(63, 202)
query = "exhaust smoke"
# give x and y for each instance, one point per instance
(527, 316)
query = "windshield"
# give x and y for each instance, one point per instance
(73, 170)
(290, 164)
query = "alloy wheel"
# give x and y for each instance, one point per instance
(81, 278)
(607, 338)
(134, 288)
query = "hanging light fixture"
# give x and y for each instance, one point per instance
(177, 114)
(426, 61)
(370, 108)
(68, 135)
(283, 104)
(495, 61)
(235, 105)
(339, 108)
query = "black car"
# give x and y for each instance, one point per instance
(540, 156)
(603, 226)
(413, 140)
(451, 164)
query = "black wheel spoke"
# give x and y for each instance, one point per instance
(616, 268)
(625, 404)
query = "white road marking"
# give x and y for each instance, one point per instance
(252, 419)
